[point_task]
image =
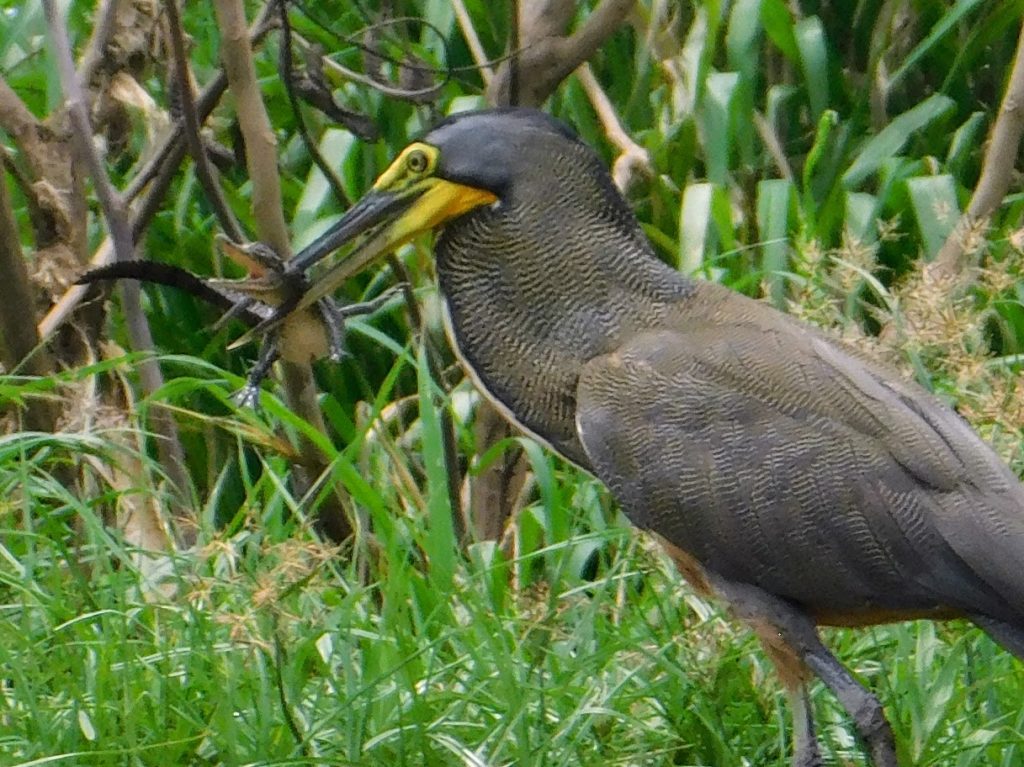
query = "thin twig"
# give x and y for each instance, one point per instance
(633, 158)
(278, 661)
(193, 140)
(172, 456)
(388, 90)
(476, 49)
(771, 142)
(261, 158)
(288, 75)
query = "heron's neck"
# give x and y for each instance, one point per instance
(526, 318)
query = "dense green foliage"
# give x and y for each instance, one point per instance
(812, 158)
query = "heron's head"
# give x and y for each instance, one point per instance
(470, 160)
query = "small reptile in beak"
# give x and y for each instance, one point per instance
(306, 335)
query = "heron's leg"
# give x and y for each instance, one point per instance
(805, 743)
(794, 675)
(792, 629)
(1010, 637)
(863, 707)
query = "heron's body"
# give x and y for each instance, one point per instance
(754, 443)
(799, 482)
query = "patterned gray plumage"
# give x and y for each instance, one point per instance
(785, 474)
(752, 442)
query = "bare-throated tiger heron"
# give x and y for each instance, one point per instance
(796, 481)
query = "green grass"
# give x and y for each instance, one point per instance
(266, 647)
(774, 172)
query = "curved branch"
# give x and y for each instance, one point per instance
(996, 171)
(193, 140)
(268, 210)
(548, 57)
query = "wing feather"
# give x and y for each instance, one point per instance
(776, 458)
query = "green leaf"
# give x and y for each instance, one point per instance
(810, 40)
(717, 133)
(778, 25)
(940, 30)
(829, 119)
(965, 141)
(694, 226)
(693, 59)
(933, 199)
(774, 200)
(891, 139)
(440, 541)
(721, 214)
(741, 38)
(861, 216)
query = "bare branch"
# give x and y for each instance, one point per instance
(633, 159)
(473, 41)
(15, 117)
(106, 16)
(54, 188)
(547, 56)
(260, 142)
(204, 170)
(115, 214)
(996, 170)
(110, 200)
(493, 493)
(261, 157)
(19, 344)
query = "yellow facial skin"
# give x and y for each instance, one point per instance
(414, 163)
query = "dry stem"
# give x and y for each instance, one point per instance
(169, 447)
(268, 210)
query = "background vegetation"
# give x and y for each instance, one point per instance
(817, 154)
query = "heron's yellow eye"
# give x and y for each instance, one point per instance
(417, 161)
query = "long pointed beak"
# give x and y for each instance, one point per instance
(371, 211)
(379, 223)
